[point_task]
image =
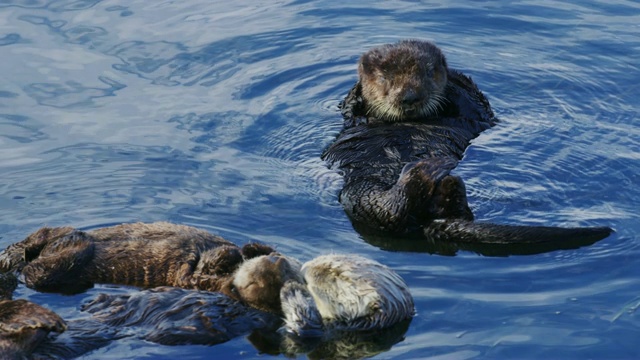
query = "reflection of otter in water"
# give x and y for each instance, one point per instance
(64, 259)
(23, 324)
(408, 121)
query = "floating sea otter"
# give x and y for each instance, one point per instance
(67, 260)
(342, 292)
(408, 121)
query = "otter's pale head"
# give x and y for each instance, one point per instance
(258, 281)
(403, 81)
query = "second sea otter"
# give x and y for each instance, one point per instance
(407, 123)
(64, 259)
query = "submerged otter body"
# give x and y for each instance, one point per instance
(408, 121)
(162, 315)
(64, 259)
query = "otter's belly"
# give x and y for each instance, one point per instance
(351, 291)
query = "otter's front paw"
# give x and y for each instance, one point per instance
(220, 261)
(301, 316)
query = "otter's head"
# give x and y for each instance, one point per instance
(403, 81)
(258, 281)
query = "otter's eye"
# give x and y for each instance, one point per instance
(382, 79)
(233, 289)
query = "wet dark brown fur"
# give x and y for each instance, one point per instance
(144, 255)
(407, 123)
(23, 324)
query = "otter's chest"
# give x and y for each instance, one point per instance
(386, 148)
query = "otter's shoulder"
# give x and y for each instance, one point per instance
(467, 100)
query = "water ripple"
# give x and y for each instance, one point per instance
(215, 114)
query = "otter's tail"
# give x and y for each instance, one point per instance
(461, 231)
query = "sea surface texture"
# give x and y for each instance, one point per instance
(215, 114)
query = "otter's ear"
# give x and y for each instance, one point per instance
(366, 63)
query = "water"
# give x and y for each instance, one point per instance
(215, 115)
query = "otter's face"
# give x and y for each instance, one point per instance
(258, 281)
(403, 81)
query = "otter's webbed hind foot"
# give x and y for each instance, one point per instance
(24, 326)
(62, 266)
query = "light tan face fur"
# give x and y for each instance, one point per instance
(403, 81)
(258, 281)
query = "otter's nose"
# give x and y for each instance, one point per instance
(410, 97)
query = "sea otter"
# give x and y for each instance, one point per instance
(67, 260)
(23, 324)
(310, 297)
(326, 294)
(407, 122)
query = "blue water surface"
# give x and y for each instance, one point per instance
(214, 114)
